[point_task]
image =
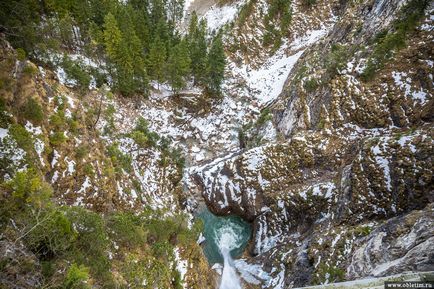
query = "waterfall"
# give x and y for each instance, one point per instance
(228, 239)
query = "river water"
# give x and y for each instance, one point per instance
(226, 239)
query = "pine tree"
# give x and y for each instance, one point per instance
(198, 49)
(216, 65)
(175, 10)
(178, 66)
(157, 60)
(192, 28)
(126, 54)
(66, 30)
(112, 37)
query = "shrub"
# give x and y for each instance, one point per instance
(57, 138)
(162, 249)
(28, 189)
(387, 43)
(264, 117)
(30, 69)
(5, 116)
(142, 127)
(52, 235)
(89, 170)
(76, 277)
(81, 152)
(119, 159)
(311, 85)
(336, 59)
(92, 242)
(127, 229)
(76, 72)
(279, 11)
(362, 230)
(57, 120)
(309, 3)
(22, 137)
(74, 125)
(140, 138)
(109, 116)
(32, 111)
(245, 12)
(21, 54)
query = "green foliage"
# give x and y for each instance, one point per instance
(170, 155)
(32, 111)
(279, 13)
(128, 229)
(177, 282)
(264, 117)
(178, 66)
(30, 70)
(81, 152)
(216, 65)
(245, 12)
(137, 40)
(109, 113)
(5, 116)
(57, 138)
(309, 3)
(124, 50)
(88, 169)
(28, 189)
(142, 135)
(76, 277)
(47, 231)
(336, 59)
(157, 60)
(76, 72)
(112, 36)
(52, 235)
(362, 230)
(162, 229)
(388, 43)
(198, 49)
(92, 242)
(162, 249)
(22, 137)
(74, 125)
(155, 272)
(60, 235)
(120, 160)
(186, 237)
(58, 120)
(21, 54)
(311, 84)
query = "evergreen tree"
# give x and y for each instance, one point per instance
(125, 53)
(175, 10)
(66, 30)
(112, 37)
(198, 49)
(157, 60)
(178, 66)
(192, 28)
(216, 65)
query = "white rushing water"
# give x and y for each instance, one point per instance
(228, 240)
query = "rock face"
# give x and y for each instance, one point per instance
(401, 244)
(348, 191)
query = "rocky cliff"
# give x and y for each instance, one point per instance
(346, 190)
(322, 139)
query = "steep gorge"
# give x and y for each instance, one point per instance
(322, 140)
